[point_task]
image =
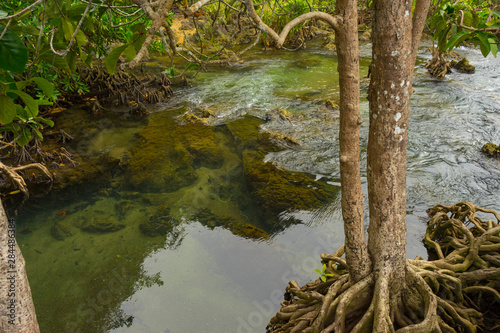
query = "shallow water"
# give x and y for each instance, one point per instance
(202, 279)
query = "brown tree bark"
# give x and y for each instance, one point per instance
(350, 122)
(389, 98)
(17, 311)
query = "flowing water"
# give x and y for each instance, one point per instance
(203, 278)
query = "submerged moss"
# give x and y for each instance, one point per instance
(60, 230)
(159, 224)
(101, 222)
(275, 189)
(165, 155)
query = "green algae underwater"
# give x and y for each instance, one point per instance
(182, 221)
(85, 253)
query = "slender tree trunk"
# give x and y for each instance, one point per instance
(346, 38)
(389, 97)
(17, 312)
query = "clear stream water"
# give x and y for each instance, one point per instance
(198, 279)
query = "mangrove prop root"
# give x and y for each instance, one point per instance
(450, 294)
(438, 66)
(13, 174)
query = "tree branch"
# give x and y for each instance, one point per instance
(334, 21)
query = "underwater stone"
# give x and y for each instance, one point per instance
(276, 189)
(101, 223)
(306, 63)
(123, 207)
(60, 230)
(159, 224)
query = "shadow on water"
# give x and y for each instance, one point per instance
(194, 218)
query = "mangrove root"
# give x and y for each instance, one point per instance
(457, 292)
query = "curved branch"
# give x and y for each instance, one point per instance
(16, 15)
(334, 21)
(73, 38)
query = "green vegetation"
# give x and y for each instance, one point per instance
(454, 23)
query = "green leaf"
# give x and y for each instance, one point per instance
(170, 72)
(81, 39)
(139, 41)
(67, 29)
(494, 47)
(55, 60)
(13, 52)
(48, 122)
(318, 271)
(443, 39)
(88, 61)
(137, 27)
(71, 59)
(76, 11)
(2, 13)
(24, 138)
(7, 109)
(20, 85)
(43, 102)
(112, 58)
(130, 53)
(485, 44)
(36, 131)
(323, 278)
(439, 29)
(31, 104)
(55, 21)
(456, 39)
(46, 86)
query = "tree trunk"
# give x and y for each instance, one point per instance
(17, 311)
(346, 38)
(389, 97)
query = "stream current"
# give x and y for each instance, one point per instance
(199, 278)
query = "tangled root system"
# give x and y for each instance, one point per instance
(457, 292)
(438, 66)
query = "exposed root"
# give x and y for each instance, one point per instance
(450, 294)
(438, 66)
(13, 173)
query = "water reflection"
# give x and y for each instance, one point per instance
(203, 276)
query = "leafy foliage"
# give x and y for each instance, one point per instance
(456, 23)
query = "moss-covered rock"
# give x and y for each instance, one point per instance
(491, 149)
(91, 172)
(463, 66)
(246, 132)
(124, 207)
(331, 104)
(306, 63)
(61, 230)
(159, 224)
(276, 189)
(165, 155)
(101, 222)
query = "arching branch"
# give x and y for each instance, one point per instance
(334, 21)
